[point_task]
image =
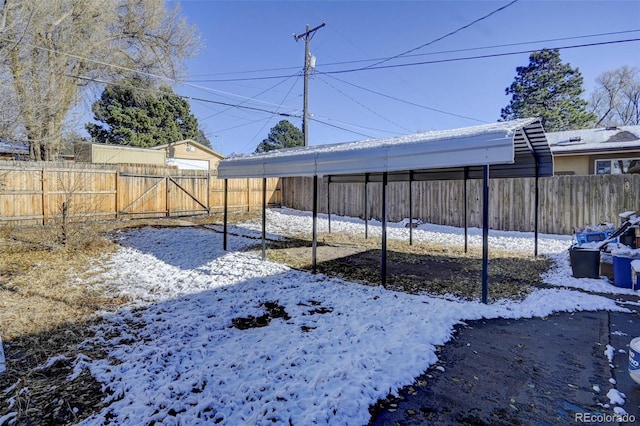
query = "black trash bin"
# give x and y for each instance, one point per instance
(585, 262)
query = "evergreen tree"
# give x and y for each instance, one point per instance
(550, 90)
(203, 139)
(282, 135)
(132, 114)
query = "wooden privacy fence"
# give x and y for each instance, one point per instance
(565, 202)
(33, 193)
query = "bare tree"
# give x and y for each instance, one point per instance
(616, 98)
(9, 118)
(51, 49)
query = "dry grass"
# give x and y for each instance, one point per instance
(47, 308)
(42, 283)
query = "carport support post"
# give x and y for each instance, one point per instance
(466, 225)
(264, 218)
(383, 266)
(329, 201)
(225, 214)
(366, 207)
(485, 232)
(410, 209)
(536, 214)
(314, 239)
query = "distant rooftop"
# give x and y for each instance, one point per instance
(601, 139)
(12, 147)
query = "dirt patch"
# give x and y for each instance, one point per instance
(37, 384)
(421, 268)
(273, 311)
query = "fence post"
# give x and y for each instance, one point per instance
(167, 202)
(209, 193)
(45, 197)
(248, 195)
(117, 184)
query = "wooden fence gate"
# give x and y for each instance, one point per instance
(146, 195)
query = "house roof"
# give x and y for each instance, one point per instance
(12, 147)
(598, 140)
(191, 142)
(515, 148)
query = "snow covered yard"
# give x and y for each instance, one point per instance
(333, 349)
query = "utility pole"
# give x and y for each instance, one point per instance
(307, 35)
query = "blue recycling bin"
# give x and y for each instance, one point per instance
(622, 271)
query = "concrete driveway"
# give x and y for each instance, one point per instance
(545, 371)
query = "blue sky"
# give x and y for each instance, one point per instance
(250, 58)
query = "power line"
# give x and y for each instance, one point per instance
(444, 36)
(466, 58)
(226, 129)
(188, 84)
(119, 67)
(362, 105)
(328, 73)
(240, 106)
(407, 102)
(267, 121)
(261, 93)
(202, 100)
(339, 127)
(495, 46)
(318, 118)
(224, 80)
(281, 114)
(386, 59)
(242, 72)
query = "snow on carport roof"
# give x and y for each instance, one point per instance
(516, 148)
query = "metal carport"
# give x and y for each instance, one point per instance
(508, 149)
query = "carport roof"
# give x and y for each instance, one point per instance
(516, 148)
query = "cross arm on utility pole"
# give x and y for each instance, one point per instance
(309, 32)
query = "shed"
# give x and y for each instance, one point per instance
(516, 148)
(116, 154)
